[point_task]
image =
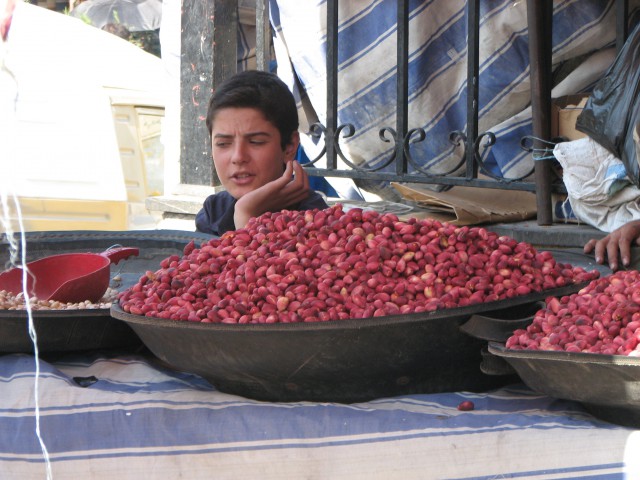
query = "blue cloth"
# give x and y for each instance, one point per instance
(141, 420)
(317, 183)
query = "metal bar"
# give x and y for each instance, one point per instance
(263, 35)
(402, 84)
(332, 83)
(540, 16)
(415, 178)
(473, 62)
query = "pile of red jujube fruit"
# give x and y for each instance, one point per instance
(603, 317)
(321, 265)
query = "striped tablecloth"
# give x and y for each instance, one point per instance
(137, 420)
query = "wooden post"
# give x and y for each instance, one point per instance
(209, 54)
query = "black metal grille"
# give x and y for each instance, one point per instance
(401, 164)
(407, 169)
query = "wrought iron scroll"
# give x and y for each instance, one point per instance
(401, 138)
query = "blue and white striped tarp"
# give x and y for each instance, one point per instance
(139, 420)
(437, 71)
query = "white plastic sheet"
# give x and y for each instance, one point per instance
(598, 188)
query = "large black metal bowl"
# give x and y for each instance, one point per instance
(338, 361)
(74, 330)
(607, 385)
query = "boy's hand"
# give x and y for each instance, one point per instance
(273, 196)
(617, 245)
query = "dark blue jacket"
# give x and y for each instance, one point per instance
(216, 215)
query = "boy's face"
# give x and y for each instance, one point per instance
(246, 150)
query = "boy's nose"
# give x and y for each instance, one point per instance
(239, 154)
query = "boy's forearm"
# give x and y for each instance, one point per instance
(240, 218)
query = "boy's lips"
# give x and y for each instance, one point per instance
(242, 177)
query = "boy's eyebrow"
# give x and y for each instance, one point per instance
(249, 134)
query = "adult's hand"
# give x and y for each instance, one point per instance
(291, 188)
(616, 245)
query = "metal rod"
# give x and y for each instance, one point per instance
(402, 85)
(540, 16)
(418, 178)
(332, 83)
(473, 61)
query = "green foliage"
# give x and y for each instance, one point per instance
(85, 18)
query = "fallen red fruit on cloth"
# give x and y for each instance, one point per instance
(466, 406)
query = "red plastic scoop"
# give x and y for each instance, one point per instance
(67, 278)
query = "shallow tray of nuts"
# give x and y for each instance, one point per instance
(81, 326)
(606, 385)
(585, 347)
(60, 327)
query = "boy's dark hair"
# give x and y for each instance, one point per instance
(263, 91)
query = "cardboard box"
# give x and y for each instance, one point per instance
(469, 205)
(564, 113)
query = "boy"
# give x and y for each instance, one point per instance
(253, 124)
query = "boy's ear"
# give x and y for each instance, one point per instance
(291, 148)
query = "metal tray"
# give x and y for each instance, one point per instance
(607, 385)
(60, 331)
(338, 361)
(71, 330)
(498, 326)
